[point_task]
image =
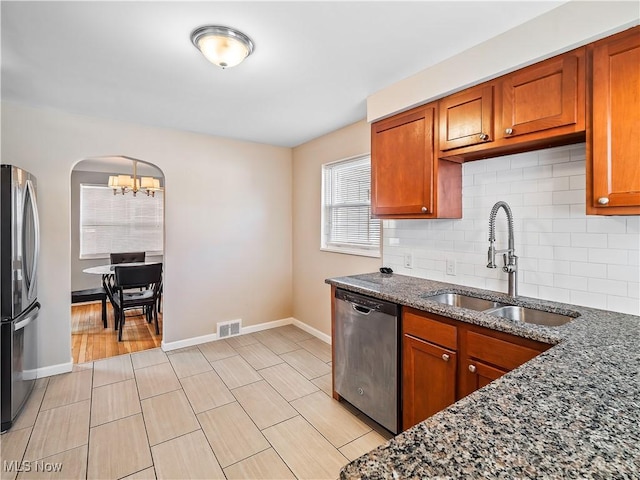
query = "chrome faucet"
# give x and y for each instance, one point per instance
(510, 258)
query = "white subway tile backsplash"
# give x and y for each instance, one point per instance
(554, 155)
(609, 256)
(623, 304)
(538, 198)
(589, 240)
(484, 178)
(571, 253)
(567, 169)
(610, 287)
(521, 160)
(555, 239)
(577, 182)
(554, 211)
(633, 226)
(472, 168)
(564, 255)
(606, 225)
(539, 171)
(554, 266)
(589, 299)
(555, 294)
(628, 273)
(553, 184)
(585, 269)
(568, 197)
(570, 225)
(625, 241)
(570, 282)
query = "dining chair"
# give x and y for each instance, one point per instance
(146, 277)
(127, 257)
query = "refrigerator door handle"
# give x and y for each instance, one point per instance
(33, 313)
(30, 190)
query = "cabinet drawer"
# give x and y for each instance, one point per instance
(429, 329)
(497, 352)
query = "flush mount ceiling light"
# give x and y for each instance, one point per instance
(222, 46)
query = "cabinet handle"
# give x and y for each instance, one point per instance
(425, 209)
(484, 137)
(603, 200)
(445, 357)
(472, 368)
(508, 131)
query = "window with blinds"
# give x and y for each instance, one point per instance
(347, 226)
(119, 223)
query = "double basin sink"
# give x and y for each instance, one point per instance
(510, 312)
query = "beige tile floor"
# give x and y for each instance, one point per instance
(256, 406)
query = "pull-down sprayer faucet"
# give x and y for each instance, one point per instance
(510, 258)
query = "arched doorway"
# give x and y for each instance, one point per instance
(105, 220)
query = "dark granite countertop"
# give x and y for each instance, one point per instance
(571, 412)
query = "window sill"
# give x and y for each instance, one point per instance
(352, 251)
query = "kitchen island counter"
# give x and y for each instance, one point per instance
(571, 412)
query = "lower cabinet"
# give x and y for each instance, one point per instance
(444, 360)
(429, 379)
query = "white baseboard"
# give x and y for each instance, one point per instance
(190, 342)
(55, 369)
(267, 325)
(316, 333)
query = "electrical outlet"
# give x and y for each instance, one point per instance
(451, 266)
(408, 260)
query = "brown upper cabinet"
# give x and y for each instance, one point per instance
(613, 141)
(544, 100)
(536, 107)
(591, 93)
(466, 118)
(407, 179)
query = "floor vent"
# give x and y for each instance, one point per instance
(229, 329)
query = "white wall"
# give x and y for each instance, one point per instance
(227, 219)
(311, 296)
(568, 26)
(564, 255)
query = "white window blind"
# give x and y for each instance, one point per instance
(347, 225)
(119, 223)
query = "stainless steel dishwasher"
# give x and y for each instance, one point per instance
(366, 365)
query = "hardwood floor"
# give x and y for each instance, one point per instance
(90, 341)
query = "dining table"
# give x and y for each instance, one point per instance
(108, 271)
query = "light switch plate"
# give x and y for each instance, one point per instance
(451, 266)
(408, 260)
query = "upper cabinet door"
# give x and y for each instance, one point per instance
(544, 96)
(466, 118)
(402, 163)
(615, 152)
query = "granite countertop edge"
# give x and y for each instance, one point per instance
(573, 411)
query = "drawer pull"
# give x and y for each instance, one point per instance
(603, 200)
(472, 368)
(445, 357)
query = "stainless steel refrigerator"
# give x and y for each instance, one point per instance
(19, 248)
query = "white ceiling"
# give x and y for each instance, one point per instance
(314, 64)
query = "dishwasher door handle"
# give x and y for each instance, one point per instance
(361, 309)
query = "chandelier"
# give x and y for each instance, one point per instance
(125, 183)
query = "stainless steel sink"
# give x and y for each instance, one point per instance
(530, 315)
(463, 301)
